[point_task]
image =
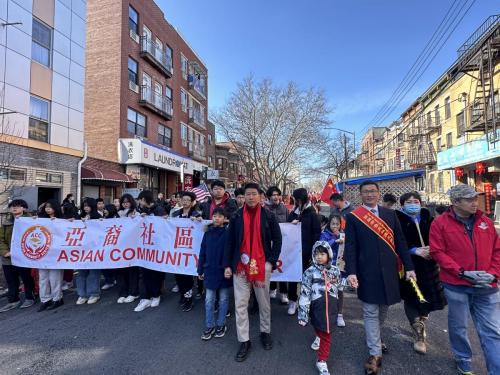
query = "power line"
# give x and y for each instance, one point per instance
(409, 80)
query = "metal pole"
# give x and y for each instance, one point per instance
(345, 157)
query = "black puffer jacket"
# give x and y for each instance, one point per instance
(310, 230)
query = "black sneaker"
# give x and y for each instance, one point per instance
(220, 331)
(385, 349)
(182, 299)
(243, 351)
(208, 333)
(266, 340)
(198, 295)
(187, 305)
(56, 304)
(228, 314)
(44, 306)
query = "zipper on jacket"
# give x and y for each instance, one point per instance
(327, 287)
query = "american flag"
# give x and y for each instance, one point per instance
(201, 192)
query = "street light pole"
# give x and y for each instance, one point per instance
(345, 147)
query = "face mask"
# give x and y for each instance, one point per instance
(411, 208)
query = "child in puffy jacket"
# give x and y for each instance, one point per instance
(334, 235)
(320, 283)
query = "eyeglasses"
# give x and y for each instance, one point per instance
(368, 192)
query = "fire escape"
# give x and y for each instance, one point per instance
(421, 151)
(478, 57)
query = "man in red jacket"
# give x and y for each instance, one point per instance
(465, 244)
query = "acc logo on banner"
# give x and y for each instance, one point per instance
(36, 242)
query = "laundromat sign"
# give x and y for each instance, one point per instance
(135, 151)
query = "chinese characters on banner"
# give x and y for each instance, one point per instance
(152, 242)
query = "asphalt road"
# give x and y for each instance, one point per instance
(108, 338)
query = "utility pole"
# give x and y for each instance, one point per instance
(346, 152)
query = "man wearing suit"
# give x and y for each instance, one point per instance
(375, 254)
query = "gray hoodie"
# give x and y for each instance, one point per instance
(279, 210)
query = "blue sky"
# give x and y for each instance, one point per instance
(357, 51)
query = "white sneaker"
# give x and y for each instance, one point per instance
(322, 368)
(284, 299)
(143, 305)
(130, 299)
(155, 302)
(93, 300)
(121, 300)
(315, 343)
(175, 289)
(340, 321)
(292, 308)
(81, 300)
(107, 286)
(273, 293)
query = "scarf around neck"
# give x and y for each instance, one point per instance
(252, 256)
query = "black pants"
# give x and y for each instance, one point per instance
(185, 283)
(151, 283)
(12, 275)
(128, 281)
(109, 276)
(283, 286)
(413, 312)
(293, 287)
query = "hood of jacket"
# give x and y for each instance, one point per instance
(330, 254)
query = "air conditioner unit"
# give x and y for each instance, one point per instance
(134, 35)
(133, 86)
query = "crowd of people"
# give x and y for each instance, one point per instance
(387, 254)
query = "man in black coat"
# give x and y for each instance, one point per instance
(375, 250)
(239, 262)
(220, 199)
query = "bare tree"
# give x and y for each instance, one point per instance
(275, 128)
(335, 156)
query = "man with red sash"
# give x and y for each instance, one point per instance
(253, 247)
(376, 257)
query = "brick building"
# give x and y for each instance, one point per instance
(232, 169)
(42, 65)
(146, 104)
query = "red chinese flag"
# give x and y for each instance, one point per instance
(328, 190)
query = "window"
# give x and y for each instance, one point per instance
(210, 139)
(164, 136)
(184, 134)
(39, 119)
(438, 145)
(210, 162)
(460, 123)
(169, 53)
(132, 70)
(133, 20)
(12, 174)
(168, 92)
(184, 66)
(429, 119)
(449, 140)
(184, 100)
(401, 138)
(136, 123)
(437, 119)
(55, 178)
(447, 108)
(440, 182)
(432, 184)
(41, 43)
(220, 164)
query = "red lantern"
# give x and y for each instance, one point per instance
(459, 172)
(480, 168)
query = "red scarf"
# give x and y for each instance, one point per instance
(253, 259)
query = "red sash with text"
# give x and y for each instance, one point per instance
(381, 229)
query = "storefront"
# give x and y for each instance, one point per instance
(476, 163)
(156, 168)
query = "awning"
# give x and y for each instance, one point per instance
(89, 173)
(384, 176)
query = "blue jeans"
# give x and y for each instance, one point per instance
(484, 307)
(88, 283)
(210, 306)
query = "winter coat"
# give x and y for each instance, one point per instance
(452, 248)
(279, 210)
(310, 230)
(316, 299)
(427, 270)
(373, 261)
(270, 233)
(228, 204)
(210, 262)
(348, 208)
(331, 238)
(193, 212)
(153, 210)
(5, 240)
(126, 213)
